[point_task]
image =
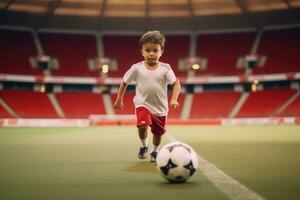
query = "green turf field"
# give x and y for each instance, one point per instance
(101, 163)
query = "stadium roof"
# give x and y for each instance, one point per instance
(145, 14)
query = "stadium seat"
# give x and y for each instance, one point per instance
(29, 104)
(15, 50)
(222, 52)
(264, 103)
(213, 104)
(72, 52)
(282, 49)
(176, 114)
(293, 109)
(124, 49)
(128, 104)
(4, 113)
(80, 104)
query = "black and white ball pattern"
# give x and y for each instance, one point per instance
(177, 162)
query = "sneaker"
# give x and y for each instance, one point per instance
(153, 156)
(143, 152)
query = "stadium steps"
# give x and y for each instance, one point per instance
(40, 50)
(192, 52)
(99, 46)
(8, 108)
(256, 42)
(56, 105)
(37, 44)
(239, 104)
(108, 104)
(287, 103)
(254, 49)
(100, 50)
(187, 106)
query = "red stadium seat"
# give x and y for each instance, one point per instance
(4, 113)
(176, 114)
(29, 104)
(16, 47)
(282, 49)
(176, 47)
(124, 49)
(72, 52)
(213, 104)
(80, 104)
(293, 109)
(222, 52)
(128, 104)
(264, 103)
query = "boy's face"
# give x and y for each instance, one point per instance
(151, 52)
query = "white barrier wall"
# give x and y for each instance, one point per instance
(116, 81)
(101, 121)
(44, 122)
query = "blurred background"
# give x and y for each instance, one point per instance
(61, 60)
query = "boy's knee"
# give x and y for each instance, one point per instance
(143, 127)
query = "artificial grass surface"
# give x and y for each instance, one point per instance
(101, 163)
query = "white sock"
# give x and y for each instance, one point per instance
(154, 148)
(144, 142)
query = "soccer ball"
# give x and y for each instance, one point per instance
(177, 162)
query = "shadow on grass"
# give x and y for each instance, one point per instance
(167, 185)
(142, 167)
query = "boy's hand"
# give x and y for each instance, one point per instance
(118, 104)
(174, 104)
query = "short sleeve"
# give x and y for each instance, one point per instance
(171, 78)
(130, 75)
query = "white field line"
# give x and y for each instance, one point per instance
(233, 189)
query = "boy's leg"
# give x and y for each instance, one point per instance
(143, 120)
(156, 140)
(143, 134)
(158, 128)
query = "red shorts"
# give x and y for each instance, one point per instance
(145, 117)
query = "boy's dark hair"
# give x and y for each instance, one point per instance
(154, 37)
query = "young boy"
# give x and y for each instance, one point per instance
(151, 101)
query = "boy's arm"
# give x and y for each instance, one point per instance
(119, 100)
(175, 93)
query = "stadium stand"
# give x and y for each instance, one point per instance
(293, 109)
(72, 52)
(282, 49)
(264, 103)
(4, 113)
(128, 104)
(124, 49)
(213, 104)
(80, 104)
(222, 52)
(15, 50)
(176, 114)
(177, 47)
(29, 104)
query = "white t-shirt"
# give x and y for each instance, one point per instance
(151, 86)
